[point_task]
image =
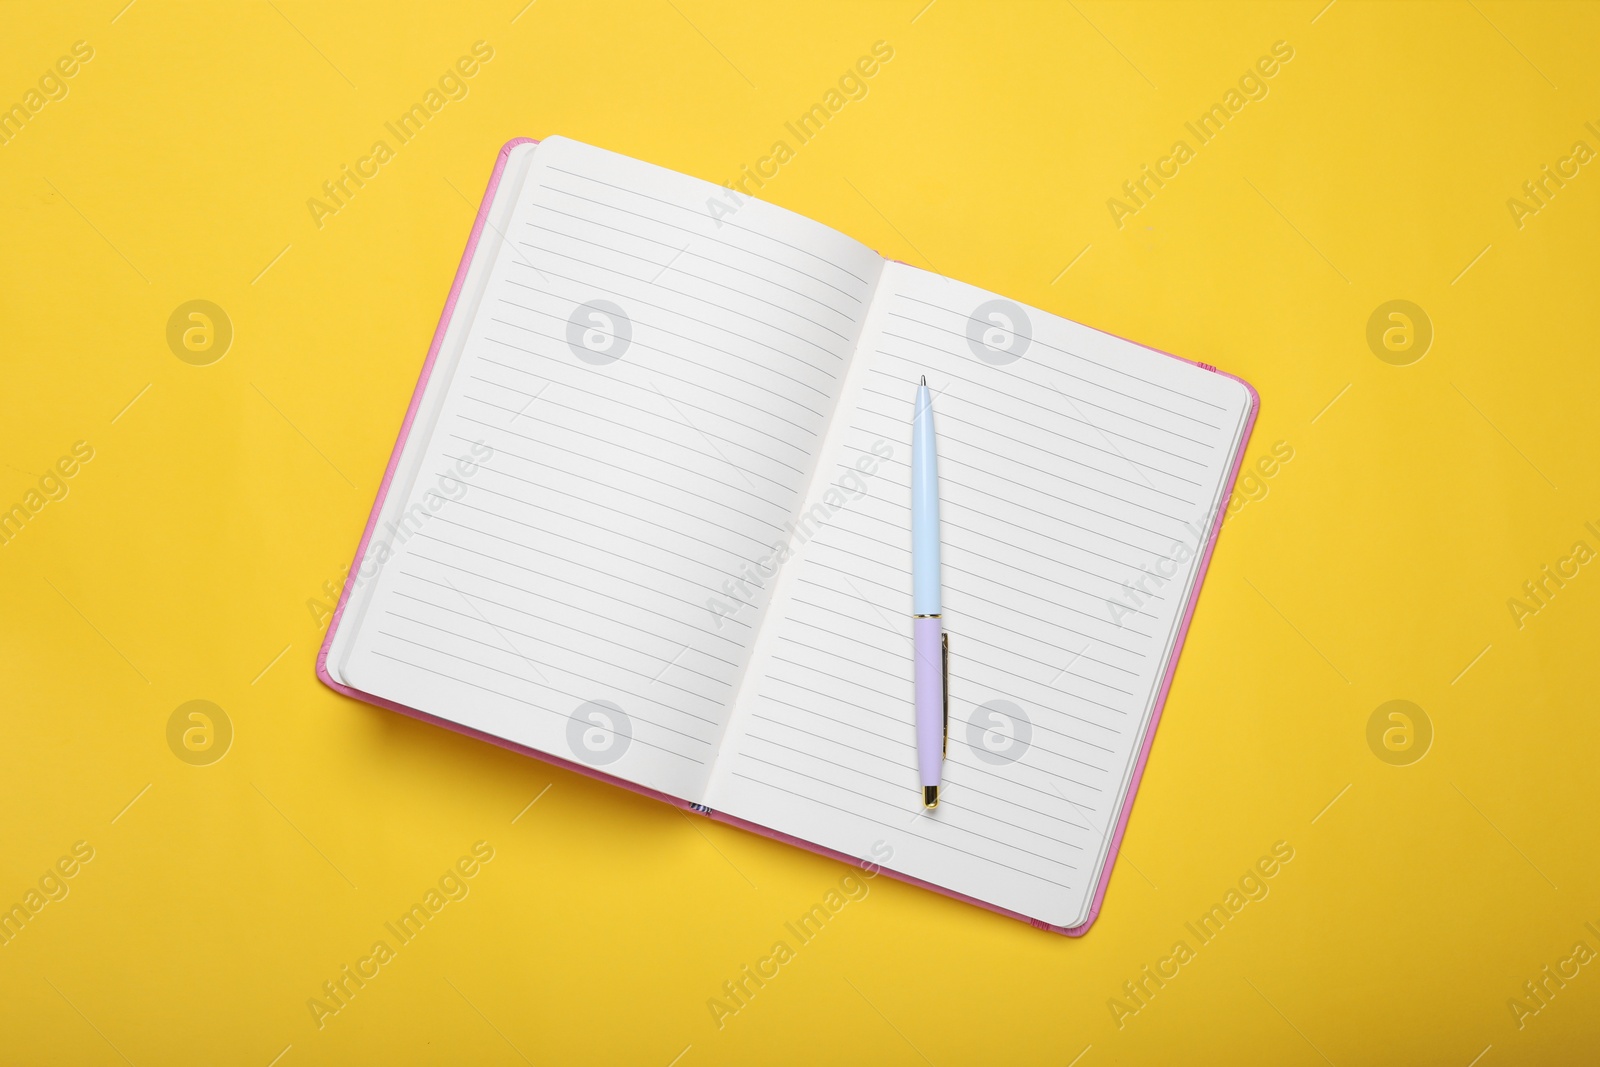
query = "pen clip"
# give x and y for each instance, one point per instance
(944, 667)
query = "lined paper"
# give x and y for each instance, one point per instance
(1066, 475)
(639, 404)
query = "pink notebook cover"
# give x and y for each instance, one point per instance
(383, 490)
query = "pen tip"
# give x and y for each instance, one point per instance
(924, 379)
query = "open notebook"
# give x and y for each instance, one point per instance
(648, 517)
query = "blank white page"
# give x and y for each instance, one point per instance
(639, 403)
(1070, 463)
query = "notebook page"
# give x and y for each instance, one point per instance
(635, 410)
(434, 390)
(1073, 468)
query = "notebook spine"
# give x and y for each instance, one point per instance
(701, 808)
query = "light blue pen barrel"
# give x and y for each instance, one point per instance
(927, 623)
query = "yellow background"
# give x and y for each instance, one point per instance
(1377, 567)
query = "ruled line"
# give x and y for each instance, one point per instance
(725, 222)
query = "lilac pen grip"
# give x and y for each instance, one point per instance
(928, 636)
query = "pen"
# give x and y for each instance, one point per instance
(931, 645)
